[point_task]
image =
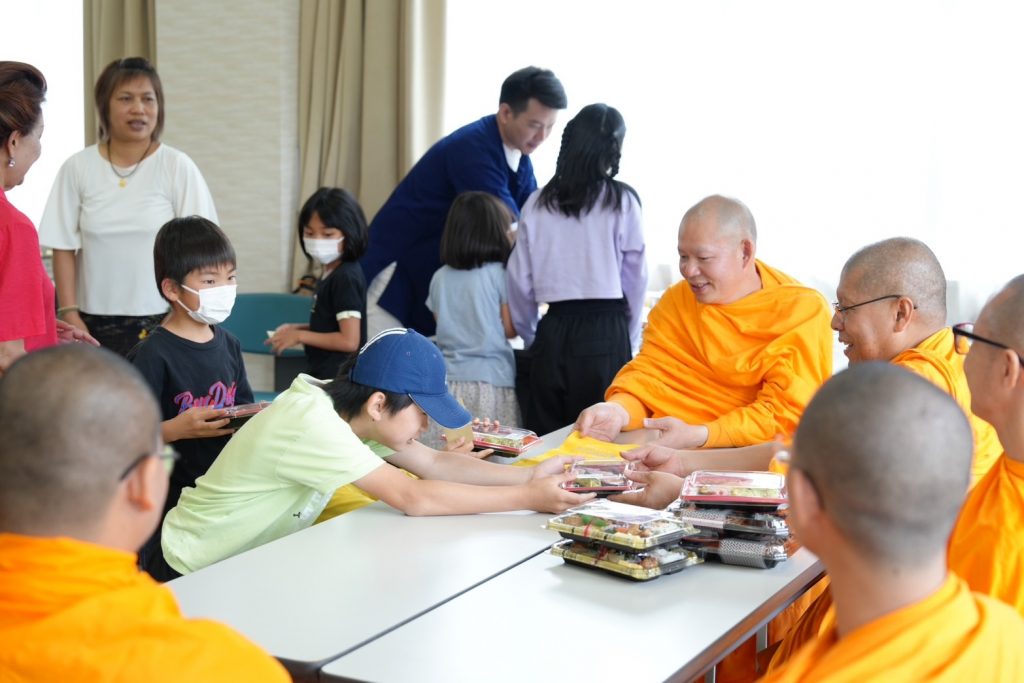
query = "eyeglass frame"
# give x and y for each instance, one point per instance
(841, 310)
(959, 331)
(167, 455)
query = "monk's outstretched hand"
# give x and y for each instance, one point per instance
(674, 433)
(659, 489)
(602, 421)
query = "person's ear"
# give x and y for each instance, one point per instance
(146, 485)
(375, 406)
(805, 510)
(505, 113)
(747, 249)
(1012, 372)
(171, 289)
(904, 314)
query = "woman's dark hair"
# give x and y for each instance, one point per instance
(476, 231)
(337, 208)
(588, 162)
(186, 244)
(22, 91)
(349, 397)
(116, 73)
(532, 82)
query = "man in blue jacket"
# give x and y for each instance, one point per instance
(489, 155)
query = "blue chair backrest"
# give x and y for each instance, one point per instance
(255, 314)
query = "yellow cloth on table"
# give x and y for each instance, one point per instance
(574, 444)
(937, 361)
(746, 369)
(74, 611)
(987, 545)
(952, 635)
(346, 499)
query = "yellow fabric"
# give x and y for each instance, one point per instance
(952, 635)
(937, 361)
(817, 619)
(73, 611)
(987, 546)
(746, 370)
(346, 499)
(574, 444)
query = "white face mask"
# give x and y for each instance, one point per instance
(215, 304)
(324, 251)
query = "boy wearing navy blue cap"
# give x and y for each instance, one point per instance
(276, 475)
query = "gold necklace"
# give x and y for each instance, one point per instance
(123, 179)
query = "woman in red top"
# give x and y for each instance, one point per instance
(27, 315)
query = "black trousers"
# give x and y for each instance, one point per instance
(579, 347)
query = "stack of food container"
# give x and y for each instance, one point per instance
(740, 517)
(631, 541)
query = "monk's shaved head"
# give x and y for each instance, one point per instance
(731, 217)
(1004, 315)
(72, 418)
(889, 454)
(904, 266)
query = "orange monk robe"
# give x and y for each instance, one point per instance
(987, 545)
(937, 361)
(746, 370)
(73, 611)
(952, 635)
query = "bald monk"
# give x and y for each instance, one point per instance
(734, 351)
(881, 435)
(891, 307)
(987, 547)
(82, 482)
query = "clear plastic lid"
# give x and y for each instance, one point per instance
(601, 476)
(619, 525)
(732, 519)
(641, 565)
(502, 438)
(746, 550)
(241, 413)
(766, 489)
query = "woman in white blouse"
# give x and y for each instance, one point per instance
(107, 204)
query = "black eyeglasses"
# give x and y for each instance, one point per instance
(963, 337)
(168, 455)
(841, 310)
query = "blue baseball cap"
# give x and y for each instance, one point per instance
(405, 362)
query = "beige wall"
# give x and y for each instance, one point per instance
(229, 72)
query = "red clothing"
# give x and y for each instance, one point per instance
(26, 292)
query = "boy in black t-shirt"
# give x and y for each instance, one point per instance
(194, 367)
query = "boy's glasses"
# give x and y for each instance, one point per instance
(963, 337)
(168, 455)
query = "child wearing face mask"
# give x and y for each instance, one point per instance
(332, 231)
(194, 367)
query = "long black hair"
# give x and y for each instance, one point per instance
(588, 162)
(339, 209)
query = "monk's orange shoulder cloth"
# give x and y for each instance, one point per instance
(987, 546)
(953, 635)
(937, 361)
(746, 370)
(73, 611)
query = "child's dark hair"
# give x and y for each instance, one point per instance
(349, 397)
(337, 208)
(187, 244)
(476, 231)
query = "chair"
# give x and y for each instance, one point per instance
(253, 316)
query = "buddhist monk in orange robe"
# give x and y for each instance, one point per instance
(82, 483)
(735, 351)
(878, 469)
(987, 547)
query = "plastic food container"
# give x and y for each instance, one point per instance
(239, 415)
(731, 489)
(508, 439)
(748, 520)
(641, 565)
(745, 550)
(622, 526)
(601, 476)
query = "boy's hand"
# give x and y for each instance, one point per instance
(545, 494)
(657, 458)
(464, 446)
(284, 337)
(199, 422)
(552, 466)
(660, 489)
